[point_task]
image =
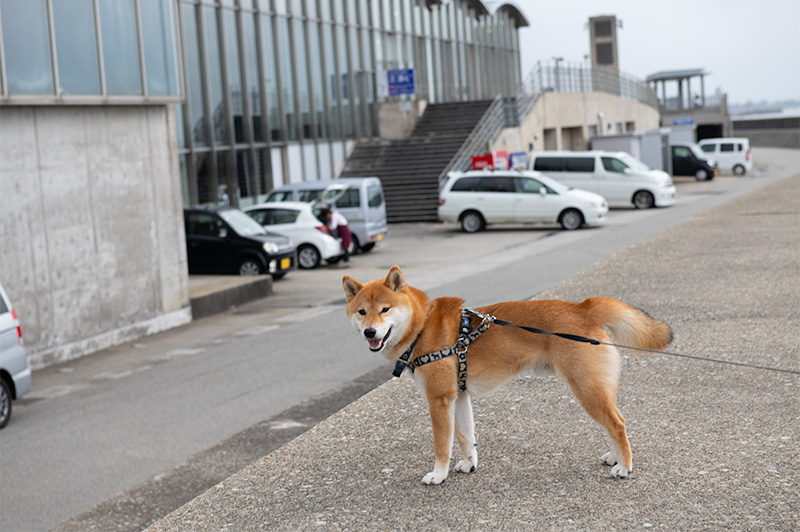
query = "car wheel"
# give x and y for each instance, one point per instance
(308, 257)
(355, 246)
(367, 247)
(5, 403)
(739, 170)
(571, 219)
(701, 175)
(472, 222)
(250, 267)
(643, 200)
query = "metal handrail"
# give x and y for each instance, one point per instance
(485, 131)
(570, 78)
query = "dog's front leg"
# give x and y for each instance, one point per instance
(465, 434)
(442, 414)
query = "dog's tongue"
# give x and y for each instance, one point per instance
(374, 344)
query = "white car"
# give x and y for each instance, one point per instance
(478, 198)
(730, 153)
(299, 222)
(15, 375)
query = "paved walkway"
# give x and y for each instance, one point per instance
(714, 445)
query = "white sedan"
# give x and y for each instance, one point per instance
(299, 222)
(478, 198)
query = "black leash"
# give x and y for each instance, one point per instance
(594, 341)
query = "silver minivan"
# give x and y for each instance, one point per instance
(15, 375)
(619, 177)
(359, 199)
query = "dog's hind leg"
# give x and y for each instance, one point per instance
(465, 434)
(599, 400)
(442, 420)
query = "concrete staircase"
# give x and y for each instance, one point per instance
(410, 168)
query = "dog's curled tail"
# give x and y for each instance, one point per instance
(629, 325)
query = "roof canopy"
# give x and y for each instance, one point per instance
(668, 75)
(493, 6)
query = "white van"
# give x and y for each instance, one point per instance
(619, 177)
(361, 202)
(730, 153)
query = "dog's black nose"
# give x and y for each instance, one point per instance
(369, 332)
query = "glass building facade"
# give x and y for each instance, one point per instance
(87, 52)
(266, 91)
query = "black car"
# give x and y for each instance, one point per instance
(226, 240)
(689, 159)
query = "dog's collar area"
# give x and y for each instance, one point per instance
(402, 362)
(466, 337)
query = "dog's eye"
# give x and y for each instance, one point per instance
(362, 312)
(385, 309)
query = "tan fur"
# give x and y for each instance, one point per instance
(391, 307)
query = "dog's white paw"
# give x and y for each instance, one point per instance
(610, 458)
(434, 478)
(466, 465)
(619, 471)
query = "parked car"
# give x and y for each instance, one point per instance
(226, 240)
(619, 177)
(689, 159)
(478, 198)
(15, 375)
(299, 222)
(730, 153)
(359, 199)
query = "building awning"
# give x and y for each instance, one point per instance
(668, 75)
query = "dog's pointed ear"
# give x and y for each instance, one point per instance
(395, 280)
(351, 287)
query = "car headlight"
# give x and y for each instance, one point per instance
(271, 247)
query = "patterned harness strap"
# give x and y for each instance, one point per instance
(466, 337)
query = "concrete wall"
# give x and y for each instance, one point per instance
(568, 113)
(93, 251)
(398, 119)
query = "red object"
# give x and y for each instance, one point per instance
(747, 155)
(482, 162)
(498, 160)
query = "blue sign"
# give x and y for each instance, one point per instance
(683, 121)
(400, 81)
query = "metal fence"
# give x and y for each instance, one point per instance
(565, 77)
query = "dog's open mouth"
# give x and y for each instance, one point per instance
(376, 344)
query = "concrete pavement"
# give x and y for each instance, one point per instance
(714, 445)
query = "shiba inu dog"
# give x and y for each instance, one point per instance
(395, 318)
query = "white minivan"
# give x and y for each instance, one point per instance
(359, 199)
(730, 153)
(619, 177)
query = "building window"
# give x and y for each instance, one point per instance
(26, 43)
(120, 47)
(194, 80)
(158, 39)
(76, 45)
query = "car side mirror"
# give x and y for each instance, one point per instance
(223, 233)
(543, 191)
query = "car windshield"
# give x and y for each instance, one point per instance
(242, 223)
(634, 163)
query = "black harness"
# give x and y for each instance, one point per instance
(466, 337)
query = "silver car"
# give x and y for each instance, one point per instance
(15, 375)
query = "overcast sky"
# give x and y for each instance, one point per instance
(752, 49)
